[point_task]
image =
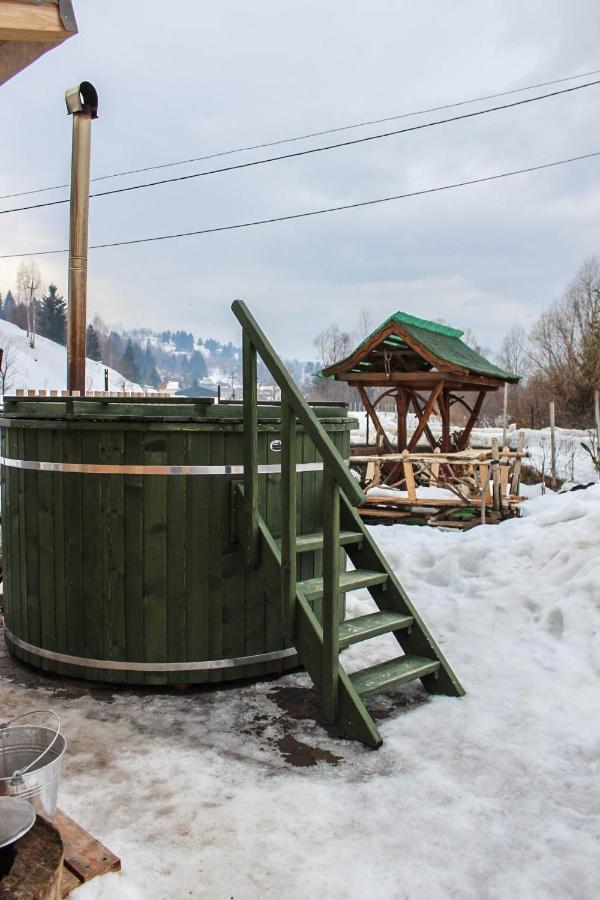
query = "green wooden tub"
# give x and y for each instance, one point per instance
(137, 576)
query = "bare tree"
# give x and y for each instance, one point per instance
(29, 280)
(9, 367)
(515, 353)
(332, 345)
(364, 325)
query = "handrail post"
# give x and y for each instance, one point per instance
(331, 596)
(250, 448)
(288, 518)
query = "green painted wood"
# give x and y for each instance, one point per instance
(154, 550)
(288, 519)
(177, 555)
(91, 557)
(331, 596)
(46, 549)
(363, 628)
(313, 589)
(219, 598)
(250, 449)
(309, 543)
(418, 641)
(200, 535)
(73, 550)
(111, 535)
(58, 533)
(134, 570)
(32, 544)
(291, 393)
(392, 673)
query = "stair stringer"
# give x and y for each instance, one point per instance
(392, 596)
(353, 718)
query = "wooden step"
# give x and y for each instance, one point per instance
(388, 674)
(307, 543)
(372, 625)
(312, 589)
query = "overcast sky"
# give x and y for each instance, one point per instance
(183, 79)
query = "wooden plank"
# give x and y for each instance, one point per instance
(516, 476)
(60, 610)
(504, 464)
(177, 554)
(91, 556)
(409, 475)
(331, 594)
(420, 381)
(31, 547)
(134, 578)
(46, 531)
(464, 438)
(218, 596)
(154, 548)
(26, 22)
(84, 855)
(203, 550)
(250, 451)
(288, 519)
(112, 546)
(495, 474)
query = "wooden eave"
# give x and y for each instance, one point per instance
(422, 381)
(28, 30)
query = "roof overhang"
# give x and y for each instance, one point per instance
(29, 28)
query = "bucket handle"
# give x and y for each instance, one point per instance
(32, 712)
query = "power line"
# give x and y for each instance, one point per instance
(303, 137)
(319, 212)
(298, 153)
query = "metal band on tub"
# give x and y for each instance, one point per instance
(107, 469)
(206, 664)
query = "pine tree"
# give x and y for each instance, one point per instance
(9, 307)
(128, 364)
(92, 344)
(52, 316)
(150, 372)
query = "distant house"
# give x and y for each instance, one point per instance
(169, 387)
(198, 390)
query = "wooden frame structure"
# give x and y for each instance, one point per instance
(424, 365)
(29, 28)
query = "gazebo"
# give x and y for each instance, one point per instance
(424, 365)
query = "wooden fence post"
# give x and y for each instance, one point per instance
(552, 445)
(505, 415)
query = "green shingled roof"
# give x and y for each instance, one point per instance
(444, 342)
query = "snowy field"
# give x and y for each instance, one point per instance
(44, 367)
(489, 797)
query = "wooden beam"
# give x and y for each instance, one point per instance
(373, 415)
(402, 412)
(444, 408)
(31, 22)
(464, 438)
(419, 411)
(424, 419)
(420, 380)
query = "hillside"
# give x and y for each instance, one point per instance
(44, 367)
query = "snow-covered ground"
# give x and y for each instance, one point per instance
(573, 463)
(44, 367)
(489, 797)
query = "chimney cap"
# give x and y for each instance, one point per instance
(82, 99)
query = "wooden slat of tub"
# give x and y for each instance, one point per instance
(93, 532)
(201, 547)
(46, 525)
(177, 550)
(113, 548)
(134, 595)
(30, 449)
(73, 552)
(219, 496)
(155, 554)
(60, 612)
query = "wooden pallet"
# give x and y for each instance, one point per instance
(84, 856)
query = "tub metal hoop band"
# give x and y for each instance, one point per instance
(207, 664)
(107, 469)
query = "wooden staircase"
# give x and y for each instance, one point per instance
(319, 643)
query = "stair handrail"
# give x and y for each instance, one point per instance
(332, 460)
(336, 480)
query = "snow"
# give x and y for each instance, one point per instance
(487, 797)
(44, 367)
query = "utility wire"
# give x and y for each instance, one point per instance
(318, 212)
(303, 137)
(297, 153)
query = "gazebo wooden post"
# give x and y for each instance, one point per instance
(402, 412)
(375, 418)
(444, 406)
(464, 439)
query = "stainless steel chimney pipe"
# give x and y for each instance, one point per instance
(82, 104)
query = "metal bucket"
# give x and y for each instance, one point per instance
(30, 762)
